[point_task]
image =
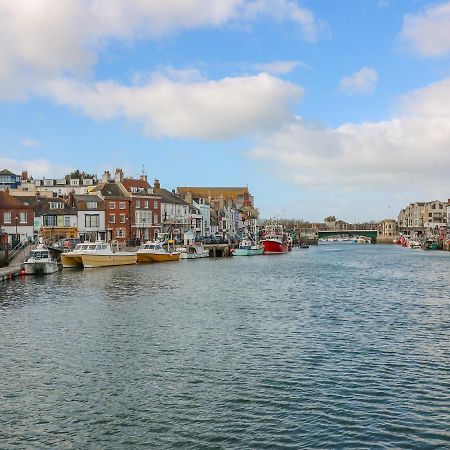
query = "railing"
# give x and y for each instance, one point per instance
(18, 248)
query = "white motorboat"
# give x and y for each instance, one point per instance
(40, 261)
(193, 251)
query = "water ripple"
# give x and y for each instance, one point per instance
(337, 347)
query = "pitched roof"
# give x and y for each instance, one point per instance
(109, 189)
(205, 192)
(6, 172)
(9, 201)
(169, 197)
(132, 182)
(41, 205)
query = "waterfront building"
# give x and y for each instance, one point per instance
(231, 206)
(77, 183)
(117, 207)
(204, 211)
(176, 213)
(54, 218)
(90, 217)
(388, 228)
(16, 219)
(8, 180)
(145, 208)
(422, 218)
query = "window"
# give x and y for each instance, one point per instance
(112, 205)
(146, 204)
(50, 221)
(91, 205)
(67, 221)
(122, 205)
(56, 205)
(155, 205)
(23, 217)
(112, 218)
(122, 218)
(120, 233)
(91, 220)
(138, 204)
(75, 182)
(134, 189)
(6, 217)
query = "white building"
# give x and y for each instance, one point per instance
(90, 217)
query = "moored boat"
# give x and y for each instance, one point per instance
(274, 240)
(193, 251)
(73, 259)
(40, 261)
(155, 252)
(105, 256)
(247, 247)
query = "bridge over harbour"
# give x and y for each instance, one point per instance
(372, 234)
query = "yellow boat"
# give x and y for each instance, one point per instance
(154, 252)
(104, 256)
(73, 259)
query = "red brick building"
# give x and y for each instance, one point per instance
(145, 209)
(117, 208)
(16, 218)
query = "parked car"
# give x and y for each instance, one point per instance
(67, 243)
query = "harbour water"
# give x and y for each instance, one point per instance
(336, 346)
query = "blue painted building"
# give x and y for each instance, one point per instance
(9, 180)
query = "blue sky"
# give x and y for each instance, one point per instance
(319, 107)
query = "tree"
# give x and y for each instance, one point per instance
(330, 219)
(80, 174)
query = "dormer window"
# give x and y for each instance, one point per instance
(91, 205)
(134, 189)
(56, 205)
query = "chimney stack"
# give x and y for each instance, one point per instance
(156, 184)
(106, 176)
(118, 176)
(24, 176)
(143, 177)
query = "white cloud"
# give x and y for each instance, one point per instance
(279, 67)
(36, 167)
(226, 108)
(27, 142)
(410, 151)
(42, 39)
(428, 33)
(361, 82)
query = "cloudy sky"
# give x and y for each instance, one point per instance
(320, 107)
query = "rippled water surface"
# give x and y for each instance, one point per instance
(338, 346)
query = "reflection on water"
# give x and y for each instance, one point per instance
(343, 346)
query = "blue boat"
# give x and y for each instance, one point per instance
(247, 247)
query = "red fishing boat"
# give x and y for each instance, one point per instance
(275, 240)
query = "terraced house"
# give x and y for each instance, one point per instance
(117, 206)
(16, 219)
(54, 217)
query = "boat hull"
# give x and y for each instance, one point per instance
(273, 247)
(155, 257)
(248, 252)
(71, 261)
(194, 255)
(40, 268)
(90, 261)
